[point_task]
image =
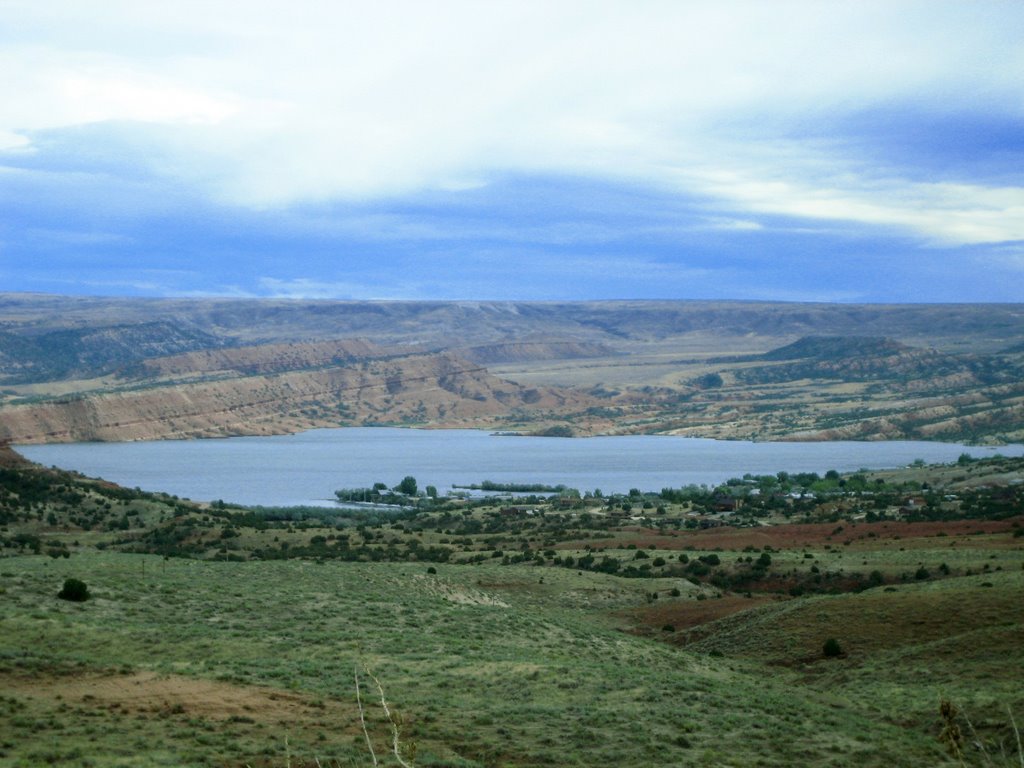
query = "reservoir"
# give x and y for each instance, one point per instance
(308, 467)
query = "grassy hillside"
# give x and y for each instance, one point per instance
(540, 632)
(172, 662)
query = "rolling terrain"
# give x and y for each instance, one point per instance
(76, 368)
(834, 626)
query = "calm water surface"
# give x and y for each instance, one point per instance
(307, 468)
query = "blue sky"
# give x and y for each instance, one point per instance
(799, 151)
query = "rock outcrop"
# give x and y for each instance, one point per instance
(420, 390)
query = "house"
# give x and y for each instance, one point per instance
(725, 503)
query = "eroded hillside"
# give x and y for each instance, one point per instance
(113, 369)
(420, 390)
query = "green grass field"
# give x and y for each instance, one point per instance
(186, 662)
(486, 635)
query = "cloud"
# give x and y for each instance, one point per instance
(460, 148)
(9, 140)
(940, 213)
(285, 102)
(46, 89)
(735, 225)
(308, 288)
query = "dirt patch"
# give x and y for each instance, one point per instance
(155, 694)
(11, 459)
(687, 614)
(797, 535)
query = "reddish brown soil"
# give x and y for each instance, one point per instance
(147, 693)
(11, 459)
(796, 535)
(686, 614)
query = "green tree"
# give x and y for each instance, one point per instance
(407, 486)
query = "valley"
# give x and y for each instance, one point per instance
(841, 619)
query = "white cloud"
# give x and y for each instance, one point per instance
(100, 97)
(46, 89)
(941, 213)
(306, 288)
(735, 225)
(278, 102)
(10, 140)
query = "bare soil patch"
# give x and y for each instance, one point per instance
(689, 613)
(149, 693)
(798, 535)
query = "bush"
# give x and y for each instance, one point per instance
(831, 649)
(74, 590)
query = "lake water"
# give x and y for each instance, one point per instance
(307, 468)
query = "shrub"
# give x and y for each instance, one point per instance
(74, 590)
(697, 568)
(831, 648)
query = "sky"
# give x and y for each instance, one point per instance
(868, 151)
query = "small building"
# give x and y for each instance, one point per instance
(725, 503)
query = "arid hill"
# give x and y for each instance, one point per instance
(412, 389)
(76, 368)
(949, 327)
(27, 356)
(855, 359)
(523, 351)
(260, 359)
